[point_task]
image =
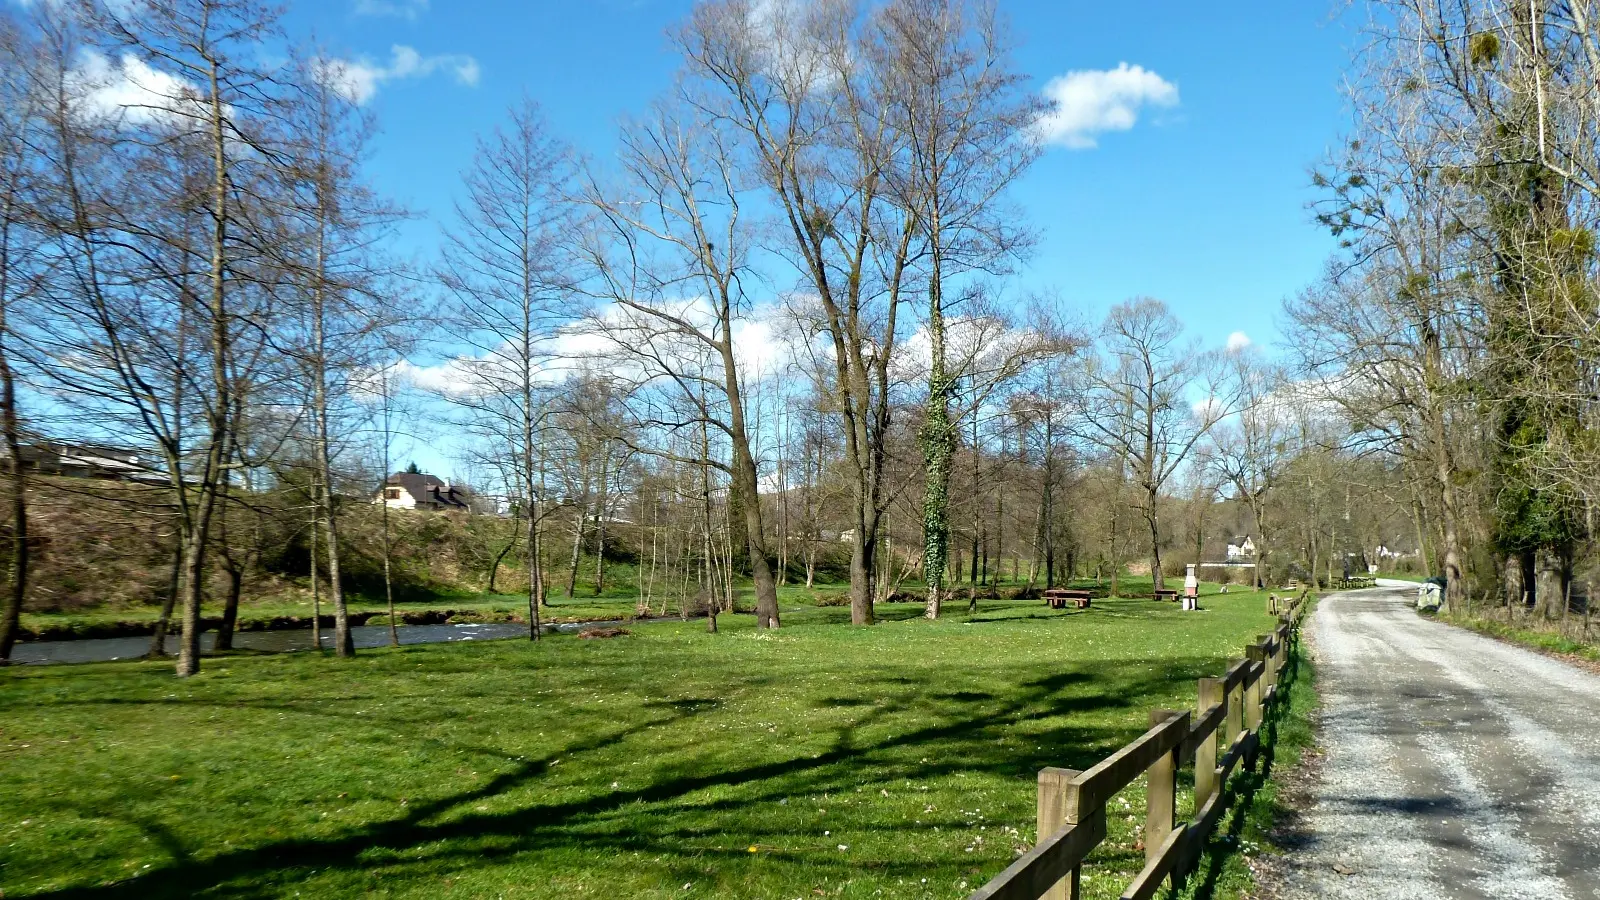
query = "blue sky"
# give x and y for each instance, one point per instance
(1200, 203)
(1200, 200)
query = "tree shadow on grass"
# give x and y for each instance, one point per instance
(957, 737)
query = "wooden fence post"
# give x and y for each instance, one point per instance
(1058, 807)
(1205, 756)
(1235, 720)
(1268, 672)
(1252, 693)
(1161, 792)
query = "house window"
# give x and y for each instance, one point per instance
(392, 493)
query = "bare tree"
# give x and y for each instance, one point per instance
(503, 269)
(806, 87)
(1150, 400)
(340, 282)
(1252, 448)
(671, 230)
(962, 114)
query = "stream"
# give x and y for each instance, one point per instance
(108, 649)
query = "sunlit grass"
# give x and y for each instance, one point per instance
(895, 761)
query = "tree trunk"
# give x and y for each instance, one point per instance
(1155, 541)
(862, 565)
(11, 618)
(600, 524)
(747, 483)
(158, 640)
(343, 640)
(1515, 578)
(193, 581)
(10, 425)
(1259, 513)
(316, 584)
(230, 608)
(1455, 591)
(383, 517)
(535, 574)
(217, 448)
(494, 567)
(938, 447)
(1550, 583)
(577, 549)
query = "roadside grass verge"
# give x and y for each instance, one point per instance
(1550, 638)
(1259, 808)
(823, 760)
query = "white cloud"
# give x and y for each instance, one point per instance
(359, 79)
(401, 9)
(130, 88)
(597, 342)
(1091, 102)
(1238, 341)
(787, 44)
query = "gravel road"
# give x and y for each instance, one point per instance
(1457, 766)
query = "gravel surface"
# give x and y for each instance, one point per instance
(1456, 765)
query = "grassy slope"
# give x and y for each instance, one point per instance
(897, 761)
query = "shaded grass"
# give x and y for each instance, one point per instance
(895, 761)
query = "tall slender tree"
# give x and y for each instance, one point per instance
(504, 271)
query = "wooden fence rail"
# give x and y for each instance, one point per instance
(1225, 733)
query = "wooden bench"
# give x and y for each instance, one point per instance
(1166, 594)
(1058, 598)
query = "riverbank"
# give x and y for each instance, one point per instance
(99, 628)
(290, 612)
(294, 613)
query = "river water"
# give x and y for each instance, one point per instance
(108, 649)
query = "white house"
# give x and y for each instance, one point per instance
(414, 490)
(1240, 549)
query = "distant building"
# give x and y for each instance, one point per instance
(90, 461)
(1241, 549)
(415, 490)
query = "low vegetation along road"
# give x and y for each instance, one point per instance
(1457, 766)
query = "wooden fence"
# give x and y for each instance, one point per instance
(1225, 733)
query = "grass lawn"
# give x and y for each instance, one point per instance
(824, 760)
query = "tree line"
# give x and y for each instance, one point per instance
(782, 319)
(1455, 332)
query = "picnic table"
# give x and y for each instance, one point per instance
(1166, 594)
(1059, 597)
